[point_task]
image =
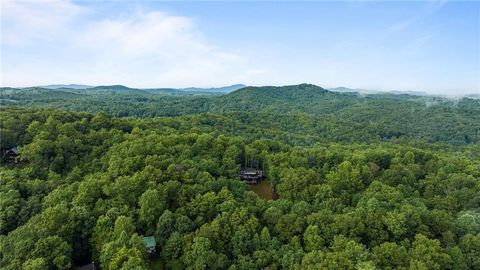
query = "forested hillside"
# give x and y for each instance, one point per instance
(363, 182)
(305, 109)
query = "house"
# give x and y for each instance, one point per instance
(250, 175)
(10, 155)
(150, 243)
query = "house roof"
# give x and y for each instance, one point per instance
(12, 150)
(149, 241)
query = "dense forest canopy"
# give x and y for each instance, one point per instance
(364, 181)
(313, 110)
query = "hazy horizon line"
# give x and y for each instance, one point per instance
(354, 89)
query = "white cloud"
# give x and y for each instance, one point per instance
(142, 49)
(89, 43)
(24, 22)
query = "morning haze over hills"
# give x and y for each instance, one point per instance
(141, 166)
(234, 87)
(225, 89)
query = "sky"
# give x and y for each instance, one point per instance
(431, 46)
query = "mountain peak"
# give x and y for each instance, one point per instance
(70, 86)
(308, 85)
(117, 86)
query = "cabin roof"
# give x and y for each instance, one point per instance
(149, 241)
(12, 150)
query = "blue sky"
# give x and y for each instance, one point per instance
(429, 46)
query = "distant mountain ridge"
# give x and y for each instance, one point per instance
(219, 90)
(387, 115)
(126, 89)
(70, 86)
(342, 89)
(223, 89)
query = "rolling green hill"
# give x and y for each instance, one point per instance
(341, 116)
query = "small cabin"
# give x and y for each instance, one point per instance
(150, 244)
(10, 155)
(250, 175)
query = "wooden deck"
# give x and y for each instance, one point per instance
(250, 175)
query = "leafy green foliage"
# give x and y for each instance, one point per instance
(306, 109)
(88, 187)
